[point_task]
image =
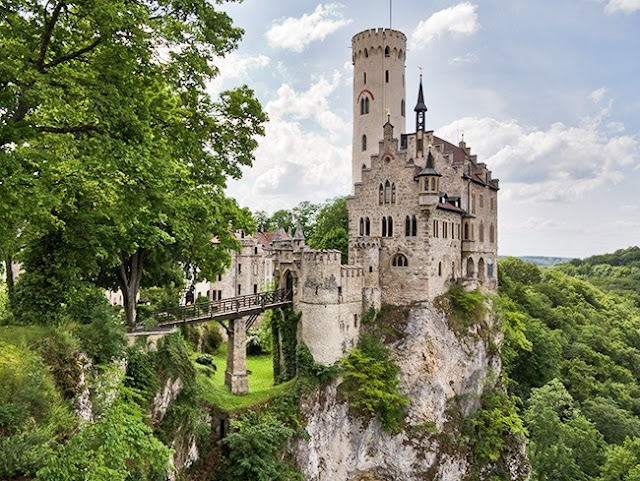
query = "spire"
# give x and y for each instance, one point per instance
(429, 169)
(420, 106)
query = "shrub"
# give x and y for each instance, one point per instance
(371, 384)
(463, 308)
(259, 339)
(206, 360)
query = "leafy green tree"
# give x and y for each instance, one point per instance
(119, 447)
(105, 103)
(563, 444)
(622, 462)
(331, 227)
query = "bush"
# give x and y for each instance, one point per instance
(206, 360)
(463, 308)
(371, 385)
(141, 373)
(259, 339)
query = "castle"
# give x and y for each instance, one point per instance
(423, 213)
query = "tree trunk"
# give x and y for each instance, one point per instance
(8, 264)
(129, 274)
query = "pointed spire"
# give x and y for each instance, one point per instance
(299, 235)
(430, 167)
(420, 105)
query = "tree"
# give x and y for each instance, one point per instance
(331, 227)
(105, 104)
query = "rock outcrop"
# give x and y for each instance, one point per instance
(441, 372)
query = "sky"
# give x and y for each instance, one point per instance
(545, 92)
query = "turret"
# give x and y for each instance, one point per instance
(429, 180)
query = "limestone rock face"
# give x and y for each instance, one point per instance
(436, 367)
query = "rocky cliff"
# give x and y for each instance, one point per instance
(444, 374)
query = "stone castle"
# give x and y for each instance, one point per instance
(423, 213)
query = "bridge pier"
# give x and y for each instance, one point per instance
(236, 375)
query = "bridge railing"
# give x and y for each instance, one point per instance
(224, 306)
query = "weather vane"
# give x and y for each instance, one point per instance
(388, 112)
(420, 68)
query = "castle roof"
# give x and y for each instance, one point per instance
(450, 207)
(420, 105)
(429, 168)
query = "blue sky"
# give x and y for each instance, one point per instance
(546, 93)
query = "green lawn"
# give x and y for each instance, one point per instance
(261, 387)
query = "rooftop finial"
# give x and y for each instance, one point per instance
(388, 112)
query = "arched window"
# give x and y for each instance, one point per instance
(490, 268)
(400, 54)
(470, 268)
(492, 234)
(393, 193)
(387, 51)
(407, 226)
(362, 106)
(361, 226)
(364, 142)
(387, 192)
(366, 105)
(402, 108)
(367, 226)
(433, 184)
(381, 195)
(481, 269)
(366, 53)
(399, 260)
(481, 233)
(390, 226)
(386, 76)
(384, 227)
(414, 226)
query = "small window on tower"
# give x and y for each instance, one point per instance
(364, 142)
(365, 77)
(366, 53)
(387, 51)
(386, 76)
(402, 108)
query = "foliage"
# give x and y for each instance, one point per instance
(33, 417)
(159, 198)
(188, 415)
(308, 368)
(141, 374)
(204, 337)
(120, 446)
(206, 360)
(173, 361)
(259, 339)
(284, 325)
(494, 425)
(161, 297)
(622, 462)
(463, 308)
(254, 449)
(563, 444)
(370, 383)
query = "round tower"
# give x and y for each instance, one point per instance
(378, 90)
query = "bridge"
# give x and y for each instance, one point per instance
(233, 310)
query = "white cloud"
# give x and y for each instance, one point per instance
(624, 6)
(461, 19)
(559, 163)
(597, 95)
(305, 154)
(464, 59)
(236, 66)
(296, 33)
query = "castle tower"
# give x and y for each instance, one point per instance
(378, 90)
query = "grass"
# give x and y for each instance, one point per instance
(261, 387)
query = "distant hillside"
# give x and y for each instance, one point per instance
(542, 261)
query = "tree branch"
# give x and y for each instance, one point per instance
(73, 55)
(48, 33)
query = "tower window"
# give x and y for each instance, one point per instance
(381, 195)
(365, 77)
(435, 228)
(367, 226)
(492, 234)
(366, 53)
(439, 268)
(384, 227)
(402, 108)
(399, 260)
(444, 229)
(364, 105)
(386, 76)
(393, 193)
(390, 226)
(481, 233)
(407, 226)
(387, 52)
(387, 192)
(364, 143)
(414, 226)
(361, 226)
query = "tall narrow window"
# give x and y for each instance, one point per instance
(481, 233)
(366, 105)
(435, 228)
(361, 226)
(414, 226)
(381, 195)
(492, 234)
(387, 192)
(365, 77)
(393, 193)
(390, 226)
(466, 231)
(387, 52)
(361, 106)
(366, 53)
(407, 226)
(364, 142)
(433, 184)
(384, 227)
(386, 76)
(444, 230)
(402, 108)
(473, 203)
(367, 225)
